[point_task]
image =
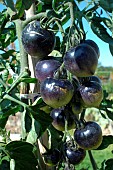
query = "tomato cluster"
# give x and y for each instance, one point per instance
(68, 95)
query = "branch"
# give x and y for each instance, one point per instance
(34, 17)
(94, 165)
(60, 28)
(71, 14)
(8, 97)
(4, 84)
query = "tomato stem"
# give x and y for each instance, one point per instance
(59, 71)
(34, 17)
(94, 165)
(65, 132)
(82, 115)
(6, 96)
(71, 13)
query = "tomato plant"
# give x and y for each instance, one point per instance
(51, 80)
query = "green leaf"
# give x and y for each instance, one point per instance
(9, 111)
(56, 136)
(106, 5)
(3, 122)
(22, 153)
(23, 4)
(10, 7)
(32, 135)
(6, 109)
(28, 122)
(5, 104)
(10, 4)
(42, 118)
(37, 101)
(107, 140)
(5, 158)
(8, 35)
(109, 114)
(54, 6)
(40, 4)
(101, 32)
(28, 80)
(102, 165)
(7, 54)
(20, 8)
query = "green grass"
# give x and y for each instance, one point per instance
(99, 156)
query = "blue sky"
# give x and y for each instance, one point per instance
(106, 58)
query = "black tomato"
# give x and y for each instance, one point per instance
(94, 46)
(81, 61)
(37, 42)
(91, 94)
(89, 137)
(59, 116)
(94, 78)
(52, 158)
(77, 108)
(46, 68)
(56, 92)
(75, 156)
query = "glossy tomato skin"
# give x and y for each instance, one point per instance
(59, 116)
(77, 108)
(46, 68)
(75, 156)
(56, 92)
(91, 94)
(89, 137)
(37, 42)
(94, 46)
(96, 79)
(93, 78)
(52, 158)
(81, 61)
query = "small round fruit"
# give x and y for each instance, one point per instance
(94, 78)
(37, 42)
(56, 92)
(94, 46)
(81, 61)
(89, 137)
(91, 94)
(77, 108)
(46, 68)
(52, 158)
(59, 116)
(75, 156)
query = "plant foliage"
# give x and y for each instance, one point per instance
(65, 19)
